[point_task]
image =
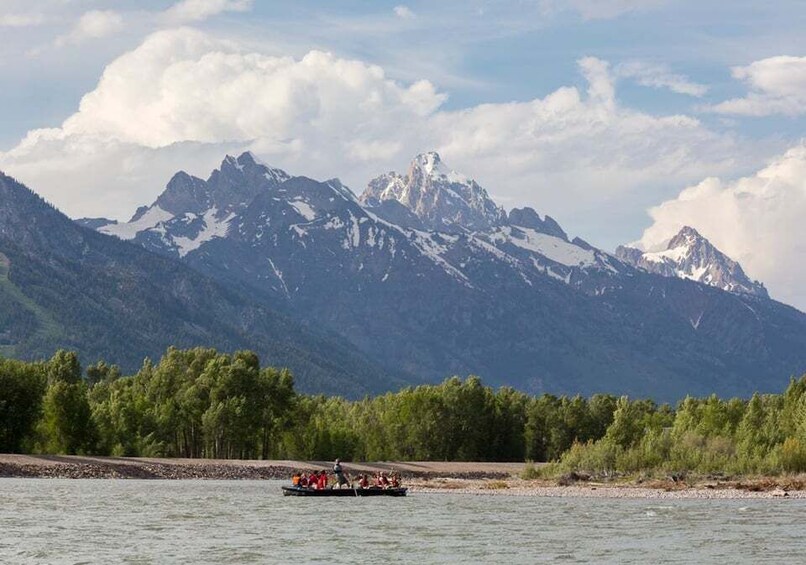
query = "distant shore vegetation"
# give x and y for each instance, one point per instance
(200, 403)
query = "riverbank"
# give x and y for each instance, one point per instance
(783, 488)
(427, 477)
(86, 467)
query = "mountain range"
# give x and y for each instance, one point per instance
(66, 286)
(423, 276)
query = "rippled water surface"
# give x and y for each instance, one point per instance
(128, 521)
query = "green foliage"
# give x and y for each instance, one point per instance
(202, 403)
(765, 435)
(22, 386)
(793, 455)
(529, 472)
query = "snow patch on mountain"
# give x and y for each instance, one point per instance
(212, 228)
(303, 209)
(553, 248)
(152, 218)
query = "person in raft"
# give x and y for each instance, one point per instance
(382, 481)
(341, 479)
(321, 483)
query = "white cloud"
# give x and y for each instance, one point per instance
(197, 10)
(404, 12)
(757, 220)
(777, 86)
(660, 76)
(186, 95)
(21, 20)
(94, 24)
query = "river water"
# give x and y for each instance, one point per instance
(130, 521)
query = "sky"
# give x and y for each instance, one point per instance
(622, 119)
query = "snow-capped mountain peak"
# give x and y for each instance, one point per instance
(689, 255)
(443, 199)
(431, 164)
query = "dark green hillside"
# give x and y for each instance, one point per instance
(64, 286)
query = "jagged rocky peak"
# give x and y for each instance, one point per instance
(238, 180)
(441, 198)
(233, 185)
(528, 218)
(183, 193)
(689, 255)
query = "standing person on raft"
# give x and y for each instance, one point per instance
(341, 479)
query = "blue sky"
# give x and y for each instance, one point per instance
(594, 111)
(478, 51)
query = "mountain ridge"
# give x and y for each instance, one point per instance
(507, 296)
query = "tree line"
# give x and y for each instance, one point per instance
(200, 403)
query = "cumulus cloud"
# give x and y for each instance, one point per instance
(777, 86)
(197, 10)
(403, 12)
(94, 24)
(757, 220)
(660, 76)
(185, 94)
(21, 20)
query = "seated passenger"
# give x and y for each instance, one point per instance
(321, 483)
(295, 478)
(362, 481)
(395, 480)
(383, 482)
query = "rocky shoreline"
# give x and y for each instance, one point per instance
(421, 477)
(84, 467)
(626, 490)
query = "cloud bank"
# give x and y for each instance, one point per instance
(182, 98)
